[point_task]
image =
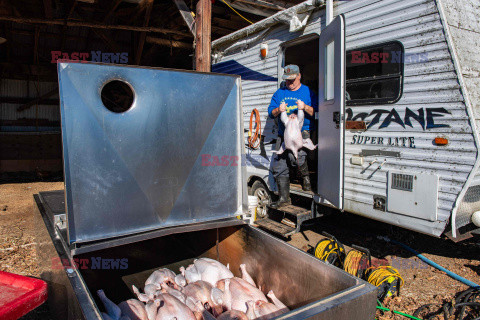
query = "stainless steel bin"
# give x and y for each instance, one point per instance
(310, 287)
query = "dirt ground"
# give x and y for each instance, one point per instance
(17, 240)
(423, 284)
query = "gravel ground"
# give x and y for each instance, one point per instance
(423, 284)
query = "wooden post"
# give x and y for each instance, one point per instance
(203, 45)
(141, 41)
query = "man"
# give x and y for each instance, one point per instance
(293, 97)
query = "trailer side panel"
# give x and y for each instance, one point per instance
(400, 135)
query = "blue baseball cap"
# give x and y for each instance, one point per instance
(290, 72)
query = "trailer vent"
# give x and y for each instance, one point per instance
(413, 194)
(402, 182)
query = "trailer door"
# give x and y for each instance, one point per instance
(331, 108)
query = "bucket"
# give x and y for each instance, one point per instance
(252, 208)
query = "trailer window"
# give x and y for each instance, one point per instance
(374, 74)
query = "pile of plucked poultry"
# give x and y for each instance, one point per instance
(205, 290)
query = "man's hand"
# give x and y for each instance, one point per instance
(283, 107)
(300, 105)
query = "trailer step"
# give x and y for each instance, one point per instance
(297, 189)
(275, 227)
(295, 215)
(294, 210)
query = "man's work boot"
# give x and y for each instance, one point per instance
(283, 184)
(306, 185)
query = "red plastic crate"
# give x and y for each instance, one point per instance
(19, 295)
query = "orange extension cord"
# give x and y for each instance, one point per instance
(254, 139)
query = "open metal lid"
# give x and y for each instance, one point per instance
(148, 148)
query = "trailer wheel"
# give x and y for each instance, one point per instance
(264, 197)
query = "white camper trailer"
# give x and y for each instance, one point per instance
(399, 105)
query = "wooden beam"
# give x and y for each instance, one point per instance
(230, 24)
(219, 10)
(139, 8)
(203, 44)
(46, 34)
(64, 28)
(141, 42)
(47, 7)
(263, 4)
(37, 100)
(72, 23)
(112, 10)
(170, 43)
(72, 8)
(234, 17)
(112, 44)
(14, 10)
(186, 14)
(221, 31)
(35, 46)
(137, 14)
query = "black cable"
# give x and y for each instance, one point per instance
(428, 316)
(469, 298)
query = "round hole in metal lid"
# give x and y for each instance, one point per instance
(117, 96)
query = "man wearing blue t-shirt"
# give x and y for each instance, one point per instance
(291, 98)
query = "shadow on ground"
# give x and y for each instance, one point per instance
(353, 229)
(27, 177)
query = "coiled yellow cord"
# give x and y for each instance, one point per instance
(353, 261)
(328, 246)
(381, 274)
(321, 251)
